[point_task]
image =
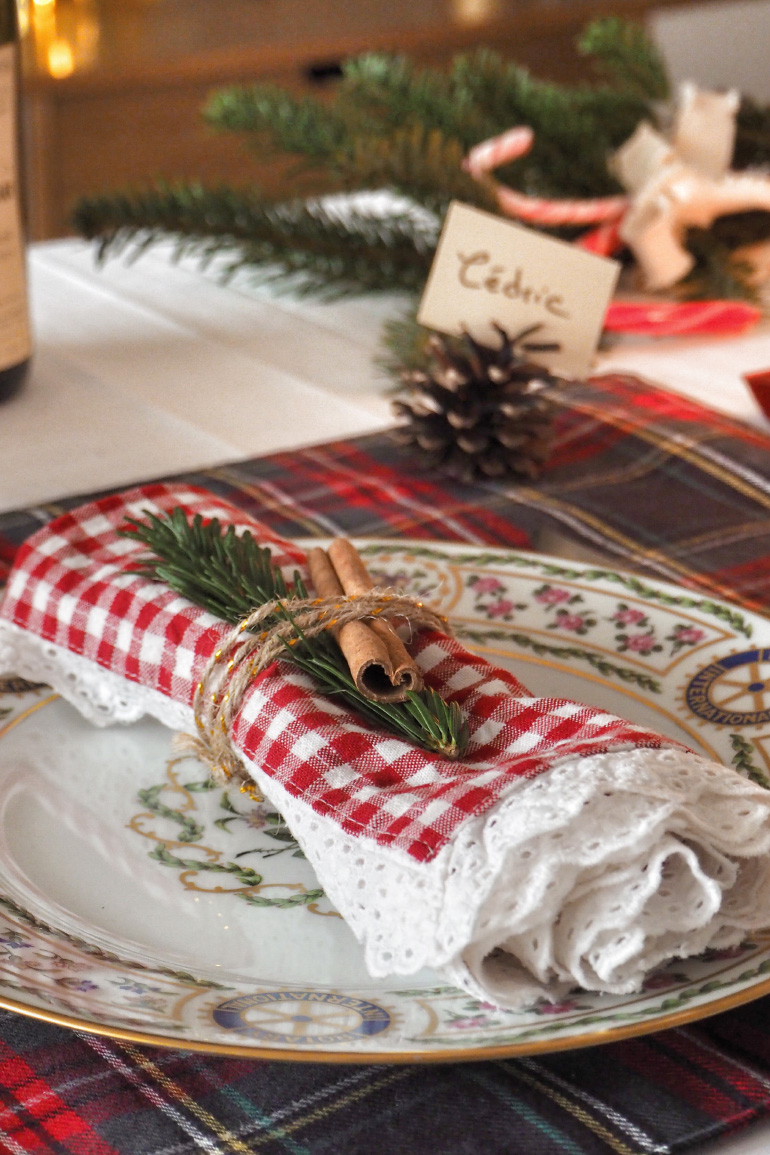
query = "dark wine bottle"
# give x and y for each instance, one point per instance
(15, 329)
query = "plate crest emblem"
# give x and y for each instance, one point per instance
(732, 691)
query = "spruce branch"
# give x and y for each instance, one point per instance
(393, 124)
(575, 127)
(752, 135)
(419, 163)
(482, 95)
(718, 271)
(301, 244)
(378, 95)
(367, 139)
(404, 346)
(230, 575)
(627, 56)
(389, 93)
(286, 123)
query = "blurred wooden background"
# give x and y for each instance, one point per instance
(113, 88)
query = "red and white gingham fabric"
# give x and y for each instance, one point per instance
(71, 587)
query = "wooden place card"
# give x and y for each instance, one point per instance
(490, 270)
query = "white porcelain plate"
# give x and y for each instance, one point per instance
(138, 901)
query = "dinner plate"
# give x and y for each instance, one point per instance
(139, 901)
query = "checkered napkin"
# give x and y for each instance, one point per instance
(567, 846)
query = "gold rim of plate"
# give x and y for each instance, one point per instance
(458, 1055)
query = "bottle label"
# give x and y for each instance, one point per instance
(15, 336)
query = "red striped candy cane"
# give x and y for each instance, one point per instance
(516, 142)
(652, 319)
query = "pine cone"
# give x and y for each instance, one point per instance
(477, 411)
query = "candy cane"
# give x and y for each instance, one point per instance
(652, 319)
(498, 150)
(516, 142)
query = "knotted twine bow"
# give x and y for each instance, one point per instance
(246, 651)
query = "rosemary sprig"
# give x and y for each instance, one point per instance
(230, 575)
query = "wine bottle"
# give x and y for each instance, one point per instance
(15, 329)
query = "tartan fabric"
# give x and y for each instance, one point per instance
(647, 479)
(639, 476)
(72, 586)
(67, 1093)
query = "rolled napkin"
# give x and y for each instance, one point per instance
(565, 847)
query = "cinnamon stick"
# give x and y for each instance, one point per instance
(377, 666)
(354, 578)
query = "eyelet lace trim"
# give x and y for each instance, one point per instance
(99, 695)
(589, 875)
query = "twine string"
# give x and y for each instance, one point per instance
(248, 649)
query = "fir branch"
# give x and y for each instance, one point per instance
(272, 116)
(626, 55)
(299, 245)
(395, 125)
(382, 98)
(230, 575)
(377, 96)
(395, 139)
(752, 135)
(575, 127)
(390, 93)
(418, 163)
(482, 95)
(404, 346)
(717, 272)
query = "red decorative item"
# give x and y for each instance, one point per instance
(605, 240)
(681, 319)
(759, 384)
(549, 212)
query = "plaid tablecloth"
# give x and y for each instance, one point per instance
(649, 480)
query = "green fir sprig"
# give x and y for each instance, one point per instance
(719, 270)
(299, 245)
(623, 53)
(393, 124)
(230, 575)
